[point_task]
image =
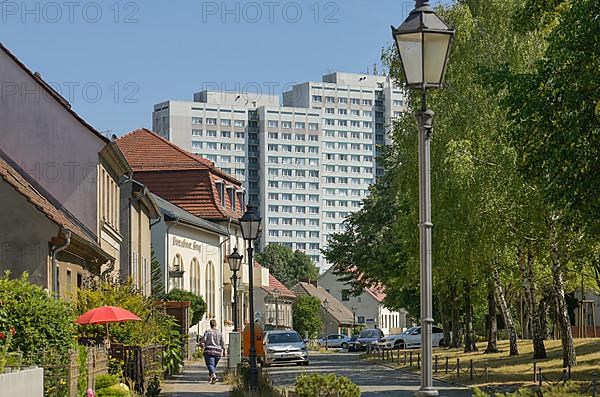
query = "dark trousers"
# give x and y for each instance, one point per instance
(211, 363)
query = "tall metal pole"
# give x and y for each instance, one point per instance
(253, 369)
(425, 118)
(235, 302)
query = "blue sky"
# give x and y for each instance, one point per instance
(113, 60)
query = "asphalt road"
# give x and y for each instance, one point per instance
(374, 380)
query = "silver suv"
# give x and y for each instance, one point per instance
(284, 346)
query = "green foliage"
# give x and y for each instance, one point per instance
(153, 389)
(44, 328)
(328, 385)
(198, 305)
(306, 315)
(156, 277)
(82, 379)
(240, 385)
(172, 354)
(287, 266)
(106, 381)
(113, 391)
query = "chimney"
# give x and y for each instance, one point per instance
(309, 281)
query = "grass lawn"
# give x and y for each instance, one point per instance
(518, 370)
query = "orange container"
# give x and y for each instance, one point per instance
(258, 338)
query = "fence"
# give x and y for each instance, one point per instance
(446, 366)
(139, 363)
(96, 364)
(27, 382)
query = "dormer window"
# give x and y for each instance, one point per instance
(241, 194)
(221, 190)
(231, 192)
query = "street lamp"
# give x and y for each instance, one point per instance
(326, 307)
(423, 42)
(250, 223)
(354, 309)
(235, 262)
(276, 294)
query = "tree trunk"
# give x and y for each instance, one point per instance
(492, 323)
(508, 320)
(543, 310)
(526, 263)
(526, 320)
(456, 329)
(569, 357)
(445, 324)
(470, 345)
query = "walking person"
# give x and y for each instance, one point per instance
(214, 346)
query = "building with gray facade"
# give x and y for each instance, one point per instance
(307, 164)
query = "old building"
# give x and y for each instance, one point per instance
(71, 163)
(272, 300)
(370, 309)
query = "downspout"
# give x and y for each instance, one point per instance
(222, 256)
(55, 251)
(131, 204)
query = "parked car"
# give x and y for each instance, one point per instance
(283, 346)
(411, 338)
(334, 340)
(365, 338)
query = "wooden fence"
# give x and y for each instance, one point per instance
(97, 364)
(139, 363)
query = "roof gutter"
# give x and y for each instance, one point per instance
(55, 251)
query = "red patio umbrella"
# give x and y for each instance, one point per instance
(106, 315)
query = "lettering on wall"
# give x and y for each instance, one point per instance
(187, 244)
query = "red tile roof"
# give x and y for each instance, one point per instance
(185, 179)
(9, 173)
(274, 283)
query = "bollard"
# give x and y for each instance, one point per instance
(398, 355)
(411, 359)
(405, 358)
(485, 372)
(446, 365)
(540, 377)
(593, 384)
(569, 372)
(564, 376)
(458, 367)
(435, 370)
(534, 372)
(418, 360)
(471, 370)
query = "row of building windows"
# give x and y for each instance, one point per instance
(293, 161)
(222, 134)
(349, 134)
(291, 148)
(351, 112)
(347, 157)
(345, 169)
(290, 233)
(344, 180)
(343, 192)
(346, 146)
(348, 123)
(297, 173)
(290, 221)
(288, 136)
(299, 125)
(214, 121)
(343, 100)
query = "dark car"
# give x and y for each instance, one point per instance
(365, 338)
(352, 343)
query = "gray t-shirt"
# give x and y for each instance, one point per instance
(213, 343)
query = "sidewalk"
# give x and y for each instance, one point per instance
(194, 382)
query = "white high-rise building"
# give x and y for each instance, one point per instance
(306, 164)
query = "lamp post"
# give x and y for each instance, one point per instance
(326, 307)
(423, 42)
(235, 262)
(276, 294)
(250, 223)
(354, 309)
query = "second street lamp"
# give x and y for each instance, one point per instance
(235, 262)
(276, 294)
(354, 309)
(326, 307)
(423, 42)
(250, 223)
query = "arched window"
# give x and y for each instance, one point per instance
(195, 277)
(210, 290)
(176, 273)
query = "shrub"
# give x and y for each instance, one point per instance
(106, 381)
(561, 390)
(198, 305)
(328, 385)
(44, 328)
(306, 315)
(117, 390)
